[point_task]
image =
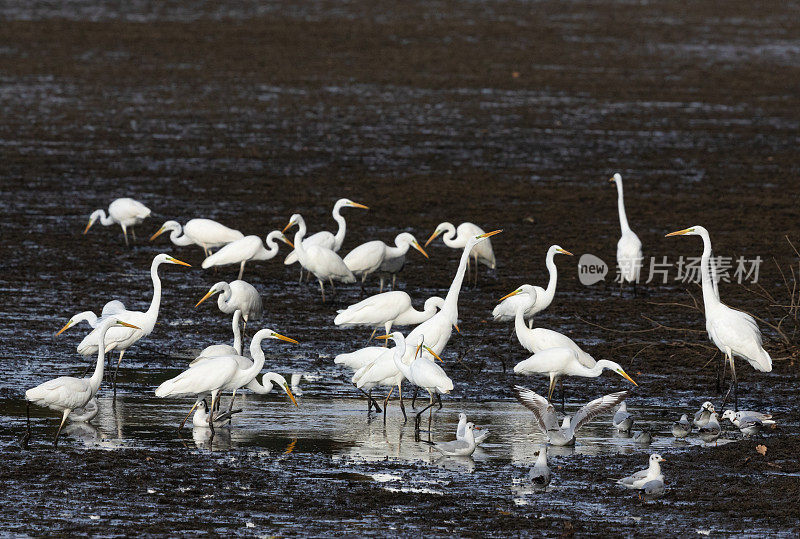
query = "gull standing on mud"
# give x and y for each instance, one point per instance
(506, 310)
(547, 420)
(246, 249)
(457, 238)
(735, 333)
(327, 239)
(638, 480)
(702, 416)
(682, 428)
(629, 247)
(206, 233)
(711, 430)
(749, 425)
(126, 212)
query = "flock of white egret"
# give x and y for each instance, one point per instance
(224, 368)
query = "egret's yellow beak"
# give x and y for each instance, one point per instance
(458, 330)
(285, 240)
(514, 293)
(208, 295)
(181, 262)
(65, 328)
(357, 205)
(433, 236)
(284, 338)
(679, 232)
(564, 252)
(158, 233)
(628, 378)
(127, 325)
(383, 337)
(419, 248)
(288, 226)
(88, 226)
(434, 354)
(289, 392)
(611, 179)
(489, 234)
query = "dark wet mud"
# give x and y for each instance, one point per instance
(512, 115)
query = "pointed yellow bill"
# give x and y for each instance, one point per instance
(357, 205)
(679, 232)
(88, 226)
(287, 226)
(514, 293)
(158, 233)
(489, 234)
(628, 378)
(208, 295)
(433, 236)
(127, 325)
(383, 337)
(285, 240)
(176, 261)
(289, 392)
(420, 249)
(457, 329)
(284, 338)
(65, 328)
(564, 252)
(434, 354)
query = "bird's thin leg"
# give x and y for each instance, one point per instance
(419, 415)
(724, 368)
(561, 381)
(214, 397)
(125, 233)
(241, 269)
(233, 397)
(439, 398)
(476, 271)
(374, 331)
(381, 288)
(374, 402)
(552, 386)
(322, 288)
(27, 436)
(414, 398)
(735, 385)
(86, 371)
(114, 379)
(133, 233)
(386, 404)
(63, 420)
(190, 413)
(301, 275)
(363, 278)
(394, 278)
(402, 406)
(333, 288)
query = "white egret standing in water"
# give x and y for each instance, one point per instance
(246, 249)
(206, 233)
(368, 257)
(386, 310)
(629, 247)
(236, 295)
(126, 212)
(457, 238)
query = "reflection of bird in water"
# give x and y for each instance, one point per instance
(540, 473)
(204, 437)
(86, 432)
(85, 414)
(644, 436)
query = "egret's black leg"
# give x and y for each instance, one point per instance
(439, 398)
(27, 436)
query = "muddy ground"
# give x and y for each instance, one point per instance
(512, 115)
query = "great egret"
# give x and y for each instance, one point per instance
(547, 420)
(711, 430)
(421, 371)
(638, 480)
(682, 428)
(382, 372)
(236, 295)
(222, 373)
(622, 419)
(246, 249)
(368, 257)
(327, 239)
(206, 233)
(325, 264)
(565, 362)
(123, 338)
(126, 212)
(540, 473)
(507, 308)
(456, 238)
(67, 393)
(386, 310)
(356, 360)
(436, 331)
(458, 447)
(629, 247)
(214, 350)
(735, 333)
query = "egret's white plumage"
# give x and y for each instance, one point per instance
(206, 233)
(457, 238)
(237, 295)
(629, 247)
(327, 239)
(126, 212)
(246, 249)
(368, 257)
(506, 310)
(386, 310)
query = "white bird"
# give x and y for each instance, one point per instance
(221, 419)
(368, 257)
(547, 420)
(506, 310)
(456, 238)
(122, 338)
(459, 447)
(358, 359)
(222, 373)
(126, 212)
(749, 425)
(682, 428)
(638, 480)
(214, 350)
(112, 307)
(462, 425)
(237, 295)
(206, 233)
(622, 420)
(246, 249)
(421, 371)
(67, 393)
(711, 430)
(557, 362)
(629, 247)
(540, 473)
(735, 333)
(325, 264)
(702, 416)
(327, 239)
(387, 310)
(735, 417)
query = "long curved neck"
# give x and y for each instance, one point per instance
(270, 251)
(155, 303)
(519, 323)
(298, 237)
(338, 239)
(451, 300)
(550, 291)
(398, 249)
(623, 218)
(224, 296)
(597, 370)
(710, 297)
(449, 236)
(258, 358)
(179, 238)
(415, 317)
(106, 220)
(97, 376)
(237, 332)
(399, 351)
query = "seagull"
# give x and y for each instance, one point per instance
(702, 416)
(458, 448)
(540, 473)
(461, 431)
(638, 480)
(653, 489)
(682, 428)
(749, 425)
(221, 419)
(735, 417)
(622, 420)
(547, 419)
(711, 430)
(645, 436)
